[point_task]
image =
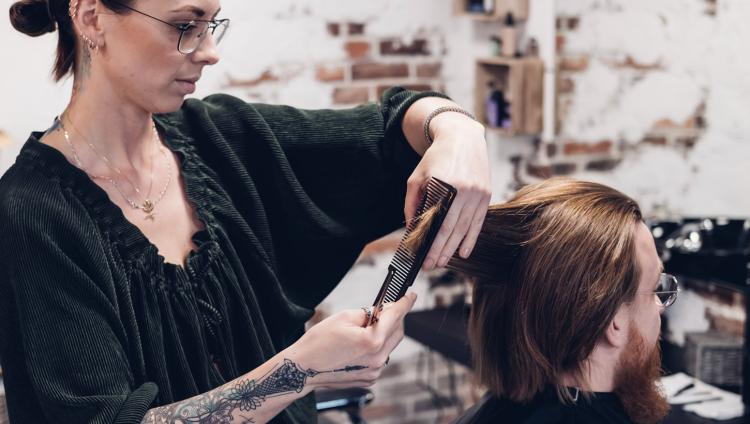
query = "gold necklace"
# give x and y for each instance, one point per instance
(148, 205)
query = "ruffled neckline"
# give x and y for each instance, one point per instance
(132, 243)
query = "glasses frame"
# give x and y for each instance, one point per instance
(212, 25)
(672, 293)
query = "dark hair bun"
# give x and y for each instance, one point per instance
(32, 17)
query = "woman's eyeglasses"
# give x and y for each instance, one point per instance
(192, 33)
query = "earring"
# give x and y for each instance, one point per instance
(73, 9)
(91, 44)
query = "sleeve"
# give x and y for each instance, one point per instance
(62, 342)
(330, 181)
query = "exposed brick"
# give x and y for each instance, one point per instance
(350, 95)
(574, 63)
(576, 148)
(356, 28)
(539, 171)
(573, 23)
(559, 43)
(603, 165)
(379, 70)
(385, 244)
(431, 403)
(357, 49)
(416, 87)
(658, 140)
(396, 47)
(566, 85)
(563, 168)
(266, 76)
(631, 63)
(404, 389)
(445, 380)
(665, 123)
(379, 411)
(325, 73)
(429, 70)
(333, 28)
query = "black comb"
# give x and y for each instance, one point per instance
(406, 263)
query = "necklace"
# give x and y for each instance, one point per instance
(148, 205)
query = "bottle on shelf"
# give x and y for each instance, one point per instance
(496, 45)
(509, 35)
(489, 6)
(475, 6)
(497, 108)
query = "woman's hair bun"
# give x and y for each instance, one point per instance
(32, 17)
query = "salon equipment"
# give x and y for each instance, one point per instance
(404, 267)
(710, 253)
(351, 401)
(714, 358)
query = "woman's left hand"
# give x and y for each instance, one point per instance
(458, 156)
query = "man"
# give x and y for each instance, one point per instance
(566, 309)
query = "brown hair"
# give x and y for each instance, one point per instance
(38, 17)
(551, 267)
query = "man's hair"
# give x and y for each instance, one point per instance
(551, 268)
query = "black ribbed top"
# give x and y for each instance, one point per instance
(95, 327)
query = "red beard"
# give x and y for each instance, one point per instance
(635, 381)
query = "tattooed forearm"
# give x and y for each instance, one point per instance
(219, 405)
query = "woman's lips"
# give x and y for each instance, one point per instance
(186, 86)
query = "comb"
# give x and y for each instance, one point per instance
(405, 265)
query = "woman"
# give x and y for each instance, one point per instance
(163, 256)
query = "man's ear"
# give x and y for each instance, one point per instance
(616, 333)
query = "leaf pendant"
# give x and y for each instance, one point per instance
(148, 208)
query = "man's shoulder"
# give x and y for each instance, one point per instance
(542, 410)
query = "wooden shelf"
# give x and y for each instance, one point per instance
(518, 8)
(521, 80)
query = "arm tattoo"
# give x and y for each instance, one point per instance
(218, 406)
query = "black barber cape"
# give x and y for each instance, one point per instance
(546, 408)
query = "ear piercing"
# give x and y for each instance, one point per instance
(73, 9)
(91, 44)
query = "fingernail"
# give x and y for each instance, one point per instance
(428, 264)
(465, 253)
(443, 260)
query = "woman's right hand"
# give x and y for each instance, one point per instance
(340, 341)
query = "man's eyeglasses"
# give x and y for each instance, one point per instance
(192, 33)
(666, 290)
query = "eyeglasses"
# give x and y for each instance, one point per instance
(666, 291)
(192, 33)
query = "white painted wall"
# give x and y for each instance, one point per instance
(703, 58)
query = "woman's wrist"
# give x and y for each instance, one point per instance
(449, 123)
(297, 362)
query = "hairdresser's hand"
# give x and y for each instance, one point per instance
(340, 341)
(458, 156)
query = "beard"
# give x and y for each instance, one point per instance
(636, 381)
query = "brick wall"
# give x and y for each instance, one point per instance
(369, 64)
(648, 102)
